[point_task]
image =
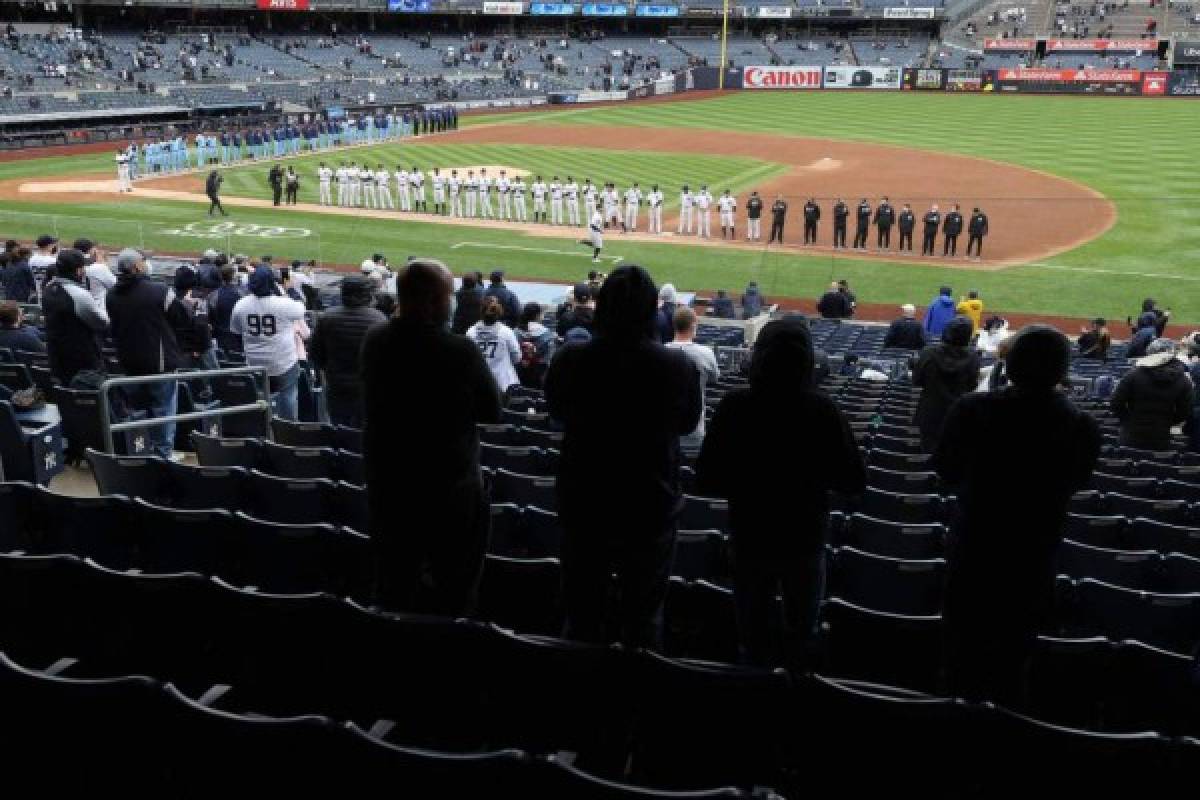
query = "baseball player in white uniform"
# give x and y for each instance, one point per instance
(355, 184)
(343, 185)
(471, 189)
(612, 202)
(417, 179)
(703, 204)
(556, 205)
(368, 186)
(439, 191)
(571, 196)
(655, 200)
(687, 222)
(726, 206)
(596, 234)
(539, 190)
(485, 194)
(403, 189)
(518, 196)
(454, 186)
(503, 186)
(589, 200)
(383, 188)
(123, 183)
(324, 176)
(633, 200)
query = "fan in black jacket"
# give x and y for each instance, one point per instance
(74, 323)
(336, 347)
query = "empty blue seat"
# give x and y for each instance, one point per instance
(1132, 569)
(898, 586)
(921, 509)
(893, 539)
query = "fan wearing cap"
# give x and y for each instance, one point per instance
(1153, 397)
(45, 255)
(510, 306)
(578, 312)
(1013, 457)
(336, 345)
(74, 323)
(100, 279)
(266, 320)
(945, 371)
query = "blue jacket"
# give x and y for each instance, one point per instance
(938, 315)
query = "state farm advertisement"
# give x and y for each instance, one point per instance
(1099, 45)
(1010, 44)
(283, 5)
(781, 77)
(1071, 75)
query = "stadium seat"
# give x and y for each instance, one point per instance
(1065, 676)
(894, 444)
(288, 558)
(532, 437)
(213, 451)
(40, 607)
(132, 476)
(1174, 512)
(541, 533)
(349, 439)
(101, 528)
(287, 500)
(1179, 490)
(1132, 569)
(239, 390)
(1170, 621)
(1133, 487)
(522, 594)
(16, 508)
(1089, 503)
(1147, 688)
(524, 490)
(29, 454)
(892, 539)
(903, 482)
(892, 585)
(297, 462)
(1097, 531)
(522, 460)
(350, 507)
(15, 376)
(1181, 574)
(894, 649)
(700, 621)
(303, 434)
(207, 487)
(701, 555)
(498, 435)
(80, 411)
(1149, 534)
(349, 467)
(918, 509)
(1176, 472)
(187, 540)
(506, 536)
(899, 462)
(704, 514)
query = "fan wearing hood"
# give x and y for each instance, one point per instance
(945, 371)
(779, 516)
(1153, 397)
(941, 310)
(1002, 548)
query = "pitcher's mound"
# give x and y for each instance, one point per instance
(824, 165)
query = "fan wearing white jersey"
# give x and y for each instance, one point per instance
(612, 203)
(266, 321)
(471, 192)
(687, 222)
(654, 199)
(439, 191)
(403, 189)
(324, 176)
(703, 204)
(518, 195)
(368, 186)
(556, 201)
(498, 344)
(343, 184)
(503, 185)
(571, 198)
(633, 201)
(485, 194)
(539, 190)
(726, 206)
(454, 185)
(383, 188)
(417, 179)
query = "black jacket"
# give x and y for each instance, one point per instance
(74, 327)
(778, 210)
(932, 221)
(212, 184)
(508, 302)
(778, 512)
(840, 213)
(812, 212)
(907, 221)
(944, 373)
(190, 322)
(24, 339)
(885, 216)
(906, 333)
(833, 305)
(275, 177)
(220, 309)
(754, 207)
(953, 224)
(978, 225)
(468, 308)
(144, 315)
(19, 282)
(575, 317)
(623, 405)
(863, 215)
(336, 346)
(1148, 401)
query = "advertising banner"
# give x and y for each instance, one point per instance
(1099, 45)
(1014, 45)
(410, 6)
(773, 12)
(964, 80)
(1183, 84)
(551, 9)
(1154, 83)
(862, 77)
(781, 77)
(283, 5)
(605, 10)
(924, 79)
(909, 13)
(1073, 81)
(656, 11)
(503, 7)
(1186, 54)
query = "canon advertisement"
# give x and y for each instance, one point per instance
(781, 77)
(862, 77)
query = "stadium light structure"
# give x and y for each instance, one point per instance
(724, 42)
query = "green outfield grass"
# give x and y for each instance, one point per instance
(1138, 152)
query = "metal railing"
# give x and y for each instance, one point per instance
(108, 427)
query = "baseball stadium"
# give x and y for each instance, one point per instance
(729, 398)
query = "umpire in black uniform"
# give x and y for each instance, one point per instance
(862, 223)
(905, 223)
(885, 218)
(933, 221)
(840, 212)
(778, 216)
(812, 214)
(212, 188)
(977, 228)
(952, 226)
(275, 178)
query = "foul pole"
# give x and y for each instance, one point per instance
(724, 41)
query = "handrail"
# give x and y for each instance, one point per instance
(108, 428)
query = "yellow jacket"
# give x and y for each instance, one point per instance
(972, 310)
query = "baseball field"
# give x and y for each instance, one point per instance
(1093, 202)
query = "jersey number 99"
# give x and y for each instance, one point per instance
(263, 325)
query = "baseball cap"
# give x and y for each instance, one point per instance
(497, 275)
(83, 245)
(45, 240)
(69, 262)
(127, 258)
(583, 292)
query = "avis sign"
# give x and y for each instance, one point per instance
(781, 77)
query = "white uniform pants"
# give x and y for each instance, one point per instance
(556, 211)
(612, 216)
(456, 209)
(485, 205)
(419, 196)
(753, 229)
(355, 193)
(726, 219)
(123, 178)
(385, 196)
(471, 196)
(631, 215)
(519, 207)
(539, 206)
(505, 206)
(656, 219)
(687, 222)
(405, 197)
(439, 197)
(342, 194)
(703, 226)
(573, 211)
(368, 195)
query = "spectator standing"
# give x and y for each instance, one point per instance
(618, 476)
(939, 313)
(578, 312)
(1140, 341)
(266, 320)
(905, 333)
(1152, 316)
(779, 518)
(74, 323)
(971, 307)
(44, 256)
(722, 307)
(190, 322)
(468, 304)
(100, 279)
(220, 310)
(20, 285)
(144, 316)
(703, 358)
(1191, 346)
(832, 304)
(510, 306)
(1002, 548)
(944, 371)
(1094, 341)
(14, 335)
(537, 346)
(421, 449)
(753, 302)
(498, 344)
(851, 299)
(667, 303)
(1153, 397)
(336, 349)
